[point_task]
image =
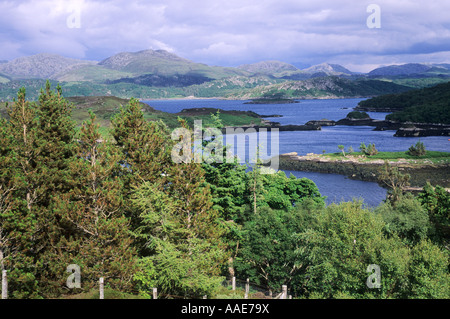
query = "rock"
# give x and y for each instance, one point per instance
(290, 154)
(323, 122)
(418, 132)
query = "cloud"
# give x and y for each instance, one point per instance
(229, 32)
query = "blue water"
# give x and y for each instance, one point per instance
(335, 187)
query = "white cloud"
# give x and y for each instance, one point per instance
(228, 32)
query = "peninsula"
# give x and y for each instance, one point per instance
(434, 167)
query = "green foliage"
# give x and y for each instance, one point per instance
(417, 150)
(428, 272)
(182, 253)
(427, 105)
(407, 218)
(145, 146)
(93, 209)
(369, 150)
(358, 115)
(335, 251)
(395, 181)
(122, 209)
(267, 253)
(227, 182)
(436, 201)
(351, 150)
(285, 192)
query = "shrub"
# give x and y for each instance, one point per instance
(417, 150)
(368, 150)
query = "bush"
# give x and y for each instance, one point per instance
(406, 217)
(368, 150)
(417, 150)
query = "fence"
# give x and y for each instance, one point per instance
(260, 292)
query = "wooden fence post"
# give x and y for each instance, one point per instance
(102, 293)
(4, 285)
(284, 294)
(155, 293)
(233, 283)
(247, 288)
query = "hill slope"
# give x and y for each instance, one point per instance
(267, 67)
(39, 66)
(323, 87)
(428, 105)
(328, 69)
(161, 62)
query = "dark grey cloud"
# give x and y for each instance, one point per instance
(231, 32)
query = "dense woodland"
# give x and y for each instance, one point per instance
(426, 105)
(123, 210)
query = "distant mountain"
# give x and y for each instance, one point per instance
(162, 74)
(328, 69)
(324, 87)
(39, 66)
(267, 67)
(442, 65)
(134, 61)
(404, 69)
(164, 63)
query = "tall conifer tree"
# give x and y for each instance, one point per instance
(21, 191)
(54, 138)
(92, 210)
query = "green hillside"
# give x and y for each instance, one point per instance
(428, 105)
(323, 87)
(105, 107)
(95, 73)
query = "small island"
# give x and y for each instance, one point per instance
(403, 129)
(271, 101)
(432, 167)
(415, 113)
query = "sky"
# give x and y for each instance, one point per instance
(353, 33)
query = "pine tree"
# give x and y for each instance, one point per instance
(92, 211)
(54, 138)
(145, 145)
(177, 230)
(20, 191)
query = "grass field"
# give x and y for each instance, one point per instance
(431, 156)
(105, 107)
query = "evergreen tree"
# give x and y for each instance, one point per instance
(394, 180)
(92, 212)
(145, 145)
(177, 230)
(20, 192)
(55, 137)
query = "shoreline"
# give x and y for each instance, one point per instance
(368, 171)
(187, 98)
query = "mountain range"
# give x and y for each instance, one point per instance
(159, 73)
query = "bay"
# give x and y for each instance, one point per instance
(335, 187)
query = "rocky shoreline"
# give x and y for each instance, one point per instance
(402, 129)
(354, 168)
(271, 101)
(275, 125)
